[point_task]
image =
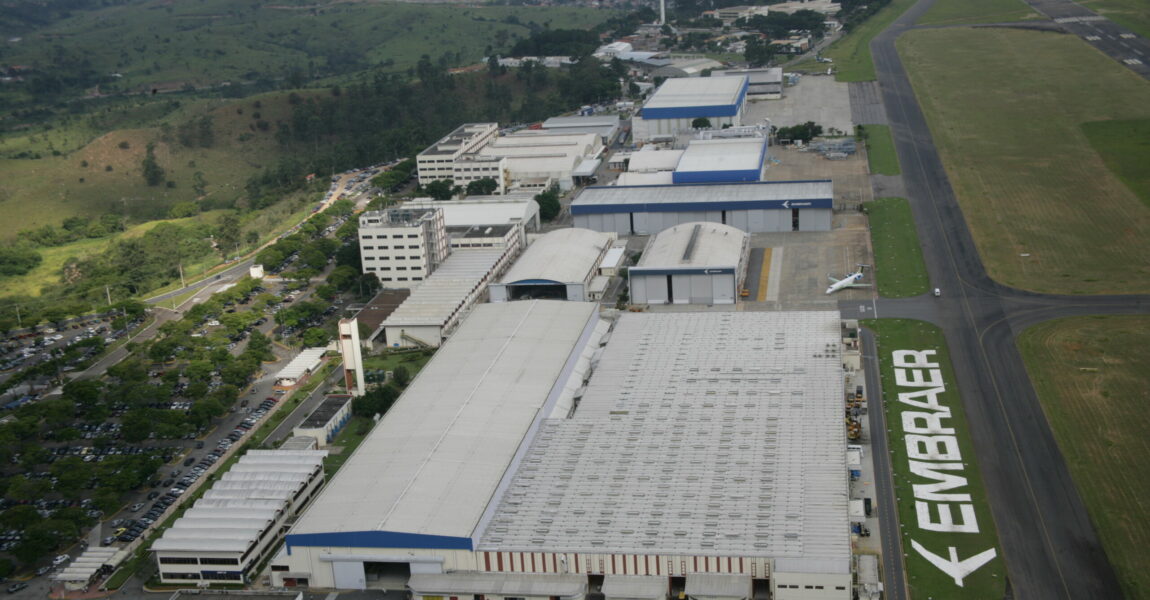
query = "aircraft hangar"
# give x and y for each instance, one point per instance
(693, 263)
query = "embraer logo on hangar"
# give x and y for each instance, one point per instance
(934, 457)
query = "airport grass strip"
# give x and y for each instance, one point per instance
(970, 12)
(1124, 145)
(1090, 374)
(926, 579)
(899, 271)
(851, 52)
(880, 153)
(1044, 210)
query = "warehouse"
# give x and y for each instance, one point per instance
(754, 207)
(435, 308)
(693, 263)
(607, 127)
(722, 160)
(326, 420)
(300, 368)
(678, 102)
(533, 154)
(767, 82)
(560, 265)
(414, 497)
(705, 458)
(231, 529)
(519, 209)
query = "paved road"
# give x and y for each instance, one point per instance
(1115, 41)
(1051, 548)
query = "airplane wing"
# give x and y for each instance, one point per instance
(834, 279)
(858, 285)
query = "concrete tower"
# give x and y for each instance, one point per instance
(350, 349)
(662, 12)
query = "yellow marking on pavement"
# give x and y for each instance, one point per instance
(764, 276)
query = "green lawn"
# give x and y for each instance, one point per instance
(899, 269)
(1132, 14)
(347, 440)
(851, 53)
(954, 12)
(413, 361)
(1092, 375)
(880, 152)
(1125, 147)
(925, 580)
(1045, 211)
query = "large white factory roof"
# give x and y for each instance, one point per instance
(723, 154)
(434, 462)
(483, 210)
(656, 178)
(304, 362)
(564, 256)
(697, 91)
(654, 160)
(698, 433)
(694, 245)
(232, 518)
(441, 294)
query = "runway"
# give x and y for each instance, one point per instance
(1050, 547)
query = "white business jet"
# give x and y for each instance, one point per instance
(848, 281)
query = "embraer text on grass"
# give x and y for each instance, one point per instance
(942, 503)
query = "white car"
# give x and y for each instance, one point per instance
(59, 560)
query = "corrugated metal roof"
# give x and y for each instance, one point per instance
(432, 464)
(441, 295)
(305, 361)
(565, 255)
(696, 91)
(714, 245)
(654, 160)
(707, 192)
(724, 154)
(698, 433)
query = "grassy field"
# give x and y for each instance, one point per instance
(347, 440)
(851, 53)
(880, 154)
(926, 580)
(1132, 14)
(1092, 375)
(899, 270)
(413, 361)
(1125, 147)
(1044, 210)
(955, 12)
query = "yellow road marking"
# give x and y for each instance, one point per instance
(764, 276)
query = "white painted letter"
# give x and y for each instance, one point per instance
(916, 378)
(931, 422)
(929, 491)
(945, 520)
(920, 359)
(933, 447)
(930, 399)
(956, 569)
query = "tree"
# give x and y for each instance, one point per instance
(315, 337)
(482, 187)
(18, 260)
(153, 172)
(440, 189)
(401, 375)
(228, 233)
(549, 206)
(701, 123)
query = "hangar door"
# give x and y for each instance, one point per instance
(348, 575)
(723, 288)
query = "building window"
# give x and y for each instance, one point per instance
(401, 279)
(223, 576)
(385, 278)
(219, 561)
(369, 258)
(279, 567)
(385, 268)
(177, 560)
(401, 268)
(369, 247)
(365, 237)
(417, 279)
(370, 268)
(412, 235)
(179, 575)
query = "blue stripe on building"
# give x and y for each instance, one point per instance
(377, 539)
(652, 207)
(691, 112)
(633, 271)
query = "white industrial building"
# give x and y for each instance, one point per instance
(722, 160)
(519, 209)
(607, 127)
(693, 263)
(678, 102)
(236, 524)
(754, 207)
(300, 368)
(652, 159)
(438, 160)
(766, 82)
(472, 167)
(402, 246)
(542, 155)
(559, 265)
(694, 454)
(326, 420)
(435, 308)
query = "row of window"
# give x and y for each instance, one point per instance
(397, 236)
(191, 560)
(415, 247)
(400, 279)
(396, 268)
(395, 257)
(810, 587)
(211, 575)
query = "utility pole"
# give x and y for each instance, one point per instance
(182, 284)
(19, 321)
(108, 293)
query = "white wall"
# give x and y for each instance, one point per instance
(811, 586)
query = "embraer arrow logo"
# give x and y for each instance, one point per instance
(786, 203)
(957, 569)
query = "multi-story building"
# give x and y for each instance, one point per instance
(472, 167)
(438, 160)
(402, 246)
